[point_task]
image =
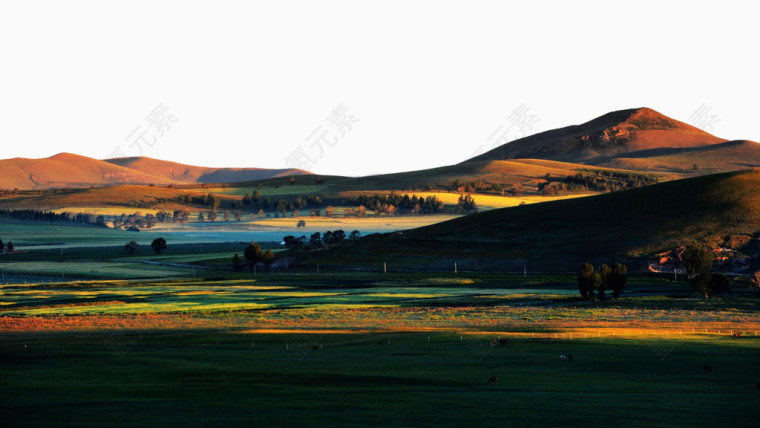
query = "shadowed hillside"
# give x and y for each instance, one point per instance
(560, 235)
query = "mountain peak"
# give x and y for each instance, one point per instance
(67, 155)
(612, 134)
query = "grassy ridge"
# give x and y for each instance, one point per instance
(562, 234)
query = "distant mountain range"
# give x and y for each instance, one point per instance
(636, 139)
(70, 170)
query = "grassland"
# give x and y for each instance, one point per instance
(183, 339)
(413, 379)
(367, 348)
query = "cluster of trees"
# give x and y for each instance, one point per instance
(134, 221)
(280, 205)
(394, 202)
(254, 256)
(607, 181)
(208, 200)
(319, 240)
(6, 248)
(698, 263)
(593, 283)
(474, 187)
(467, 203)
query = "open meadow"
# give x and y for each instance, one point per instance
(368, 348)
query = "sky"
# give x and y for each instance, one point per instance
(359, 87)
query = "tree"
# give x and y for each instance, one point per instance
(256, 196)
(253, 254)
(181, 216)
(604, 280)
(586, 280)
(618, 278)
(719, 284)
(282, 206)
(267, 259)
(247, 199)
(467, 203)
(236, 263)
(2, 246)
(707, 284)
(150, 220)
(355, 235)
(130, 247)
(338, 236)
(294, 243)
(158, 245)
(697, 261)
(315, 240)
(10, 247)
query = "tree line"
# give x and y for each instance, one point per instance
(602, 180)
(38, 215)
(397, 203)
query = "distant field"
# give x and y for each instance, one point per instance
(27, 233)
(484, 201)
(93, 269)
(264, 191)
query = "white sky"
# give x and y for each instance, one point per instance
(427, 81)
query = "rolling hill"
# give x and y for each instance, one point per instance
(640, 139)
(179, 173)
(628, 225)
(74, 171)
(68, 170)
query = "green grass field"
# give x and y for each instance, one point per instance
(201, 378)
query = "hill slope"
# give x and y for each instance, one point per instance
(560, 235)
(641, 139)
(70, 170)
(180, 173)
(67, 170)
